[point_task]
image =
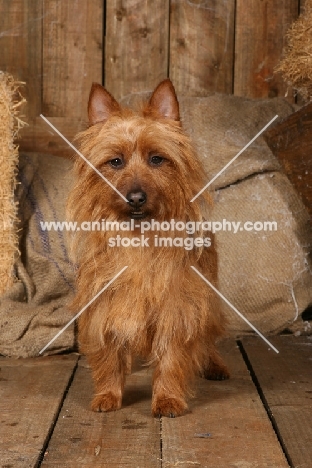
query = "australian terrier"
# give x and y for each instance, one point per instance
(158, 308)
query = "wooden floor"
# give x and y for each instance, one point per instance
(261, 417)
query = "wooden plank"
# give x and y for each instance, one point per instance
(20, 53)
(72, 55)
(291, 142)
(41, 137)
(232, 412)
(31, 393)
(286, 382)
(259, 42)
(125, 438)
(136, 55)
(202, 46)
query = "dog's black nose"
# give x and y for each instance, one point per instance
(136, 198)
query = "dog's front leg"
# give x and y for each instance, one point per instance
(170, 384)
(109, 366)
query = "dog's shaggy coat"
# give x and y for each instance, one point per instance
(158, 308)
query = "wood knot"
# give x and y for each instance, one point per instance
(181, 42)
(120, 13)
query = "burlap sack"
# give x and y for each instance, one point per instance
(265, 275)
(34, 309)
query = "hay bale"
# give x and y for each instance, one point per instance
(10, 100)
(296, 66)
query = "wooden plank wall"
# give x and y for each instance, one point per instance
(259, 41)
(204, 46)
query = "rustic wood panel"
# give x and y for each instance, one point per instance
(286, 382)
(72, 55)
(20, 48)
(136, 53)
(126, 438)
(57, 48)
(241, 434)
(31, 392)
(41, 137)
(202, 46)
(259, 41)
(291, 143)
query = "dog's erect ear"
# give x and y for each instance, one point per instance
(164, 101)
(101, 104)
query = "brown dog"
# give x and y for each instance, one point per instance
(158, 308)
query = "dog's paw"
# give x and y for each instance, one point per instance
(169, 407)
(106, 402)
(216, 372)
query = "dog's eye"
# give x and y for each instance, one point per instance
(116, 162)
(156, 160)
